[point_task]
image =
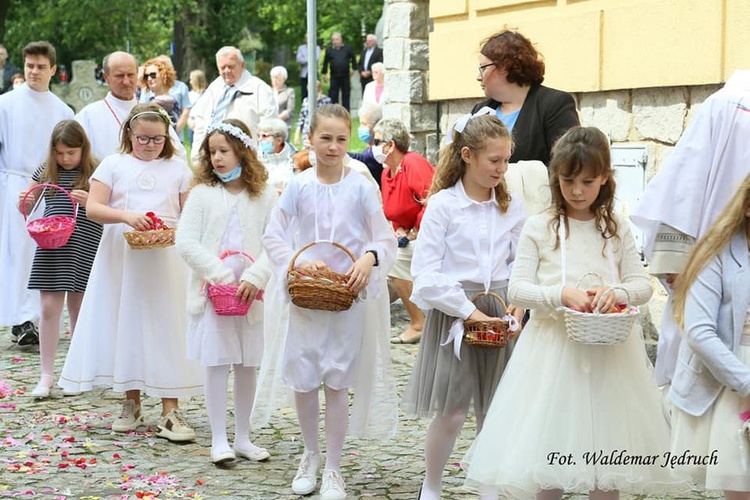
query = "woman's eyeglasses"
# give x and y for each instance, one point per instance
(482, 67)
(143, 140)
(151, 75)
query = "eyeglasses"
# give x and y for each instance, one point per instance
(482, 67)
(143, 140)
(151, 75)
(264, 135)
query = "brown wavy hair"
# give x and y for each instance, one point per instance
(254, 175)
(70, 133)
(451, 166)
(729, 221)
(515, 53)
(583, 149)
(157, 114)
(168, 75)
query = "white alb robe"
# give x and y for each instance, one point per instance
(27, 118)
(102, 121)
(699, 177)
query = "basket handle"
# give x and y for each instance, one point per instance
(337, 245)
(43, 185)
(495, 296)
(227, 253)
(608, 290)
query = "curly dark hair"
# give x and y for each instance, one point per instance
(254, 175)
(515, 53)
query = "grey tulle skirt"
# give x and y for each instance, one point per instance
(441, 383)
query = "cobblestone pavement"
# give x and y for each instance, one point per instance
(62, 448)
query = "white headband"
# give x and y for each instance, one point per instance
(460, 124)
(235, 132)
(161, 114)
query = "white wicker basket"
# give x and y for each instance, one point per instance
(601, 328)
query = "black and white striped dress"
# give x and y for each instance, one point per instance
(67, 268)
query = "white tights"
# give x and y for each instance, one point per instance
(216, 405)
(336, 423)
(49, 329)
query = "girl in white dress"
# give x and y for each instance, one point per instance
(466, 245)
(131, 330)
(569, 416)
(710, 390)
(327, 203)
(227, 210)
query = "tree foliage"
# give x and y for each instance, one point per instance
(194, 29)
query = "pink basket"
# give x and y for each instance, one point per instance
(222, 296)
(50, 232)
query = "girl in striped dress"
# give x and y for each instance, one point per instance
(63, 270)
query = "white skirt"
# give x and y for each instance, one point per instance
(573, 417)
(215, 340)
(716, 434)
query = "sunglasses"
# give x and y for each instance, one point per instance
(378, 142)
(151, 75)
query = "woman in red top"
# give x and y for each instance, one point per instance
(405, 181)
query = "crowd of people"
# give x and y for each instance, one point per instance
(248, 216)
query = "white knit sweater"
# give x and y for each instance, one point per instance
(200, 231)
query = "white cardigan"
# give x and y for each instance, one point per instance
(200, 232)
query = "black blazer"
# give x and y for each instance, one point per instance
(546, 114)
(9, 71)
(377, 56)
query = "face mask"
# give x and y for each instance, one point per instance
(266, 146)
(364, 134)
(378, 154)
(229, 176)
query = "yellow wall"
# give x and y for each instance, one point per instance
(593, 45)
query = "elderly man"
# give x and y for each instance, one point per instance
(341, 60)
(234, 94)
(27, 117)
(370, 55)
(102, 120)
(7, 70)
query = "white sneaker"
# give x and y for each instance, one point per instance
(307, 475)
(129, 419)
(174, 427)
(333, 487)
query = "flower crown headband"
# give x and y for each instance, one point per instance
(235, 132)
(160, 113)
(460, 124)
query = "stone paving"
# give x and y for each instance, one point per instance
(62, 448)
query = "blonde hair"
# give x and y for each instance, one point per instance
(70, 133)
(452, 167)
(729, 221)
(583, 149)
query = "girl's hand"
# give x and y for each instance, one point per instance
(517, 312)
(576, 299)
(315, 265)
(670, 279)
(80, 196)
(139, 222)
(359, 273)
(608, 301)
(246, 291)
(478, 315)
(401, 232)
(29, 201)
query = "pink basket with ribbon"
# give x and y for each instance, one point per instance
(49, 232)
(223, 298)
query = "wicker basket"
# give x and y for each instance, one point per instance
(223, 298)
(153, 238)
(601, 328)
(493, 334)
(54, 231)
(324, 290)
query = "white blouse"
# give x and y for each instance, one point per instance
(347, 212)
(462, 240)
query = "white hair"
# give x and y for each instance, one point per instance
(279, 71)
(276, 126)
(379, 66)
(372, 112)
(229, 51)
